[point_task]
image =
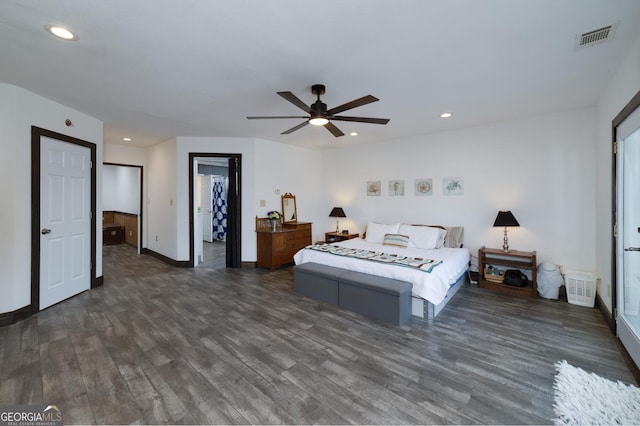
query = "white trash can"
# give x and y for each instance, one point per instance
(549, 280)
(581, 287)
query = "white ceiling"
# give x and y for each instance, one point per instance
(155, 69)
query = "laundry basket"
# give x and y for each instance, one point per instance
(581, 287)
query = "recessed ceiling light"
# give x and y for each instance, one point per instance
(61, 32)
(126, 139)
(353, 134)
(446, 115)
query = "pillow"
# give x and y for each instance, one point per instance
(377, 231)
(454, 237)
(396, 240)
(422, 237)
(442, 235)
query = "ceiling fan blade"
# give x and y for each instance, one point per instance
(361, 119)
(295, 100)
(277, 116)
(353, 104)
(293, 129)
(333, 129)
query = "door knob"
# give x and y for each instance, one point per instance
(45, 231)
(632, 249)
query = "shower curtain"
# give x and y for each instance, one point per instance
(219, 208)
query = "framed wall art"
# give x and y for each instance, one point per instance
(453, 185)
(396, 188)
(373, 188)
(423, 186)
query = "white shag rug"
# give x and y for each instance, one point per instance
(583, 398)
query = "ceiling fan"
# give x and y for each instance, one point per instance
(319, 115)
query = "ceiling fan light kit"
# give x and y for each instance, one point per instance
(319, 115)
(318, 121)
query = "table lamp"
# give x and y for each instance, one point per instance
(337, 212)
(505, 218)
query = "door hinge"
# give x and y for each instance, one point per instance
(615, 230)
(615, 313)
(615, 147)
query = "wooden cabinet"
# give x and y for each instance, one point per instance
(332, 237)
(276, 248)
(112, 234)
(522, 260)
(128, 221)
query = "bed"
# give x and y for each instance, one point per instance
(431, 290)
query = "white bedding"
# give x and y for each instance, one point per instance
(431, 286)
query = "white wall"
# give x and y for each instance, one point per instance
(540, 168)
(19, 110)
(121, 189)
(266, 166)
(623, 86)
(123, 154)
(295, 170)
(161, 202)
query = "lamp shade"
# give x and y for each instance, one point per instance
(337, 212)
(505, 218)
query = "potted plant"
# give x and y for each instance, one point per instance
(274, 216)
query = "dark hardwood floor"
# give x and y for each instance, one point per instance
(214, 255)
(158, 344)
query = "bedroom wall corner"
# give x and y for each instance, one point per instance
(541, 168)
(623, 85)
(19, 110)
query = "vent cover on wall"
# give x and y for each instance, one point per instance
(594, 37)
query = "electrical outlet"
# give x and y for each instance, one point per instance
(156, 238)
(170, 202)
(263, 203)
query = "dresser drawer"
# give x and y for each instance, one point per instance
(277, 248)
(299, 238)
(282, 258)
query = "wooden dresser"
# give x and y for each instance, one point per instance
(277, 248)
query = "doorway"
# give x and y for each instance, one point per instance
(215, 209)
(212, 196)
(626, 214)
(63, 217)
(122, 201)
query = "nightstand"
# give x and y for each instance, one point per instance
(523, 260)
(332, 237)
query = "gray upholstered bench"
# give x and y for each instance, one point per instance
(376, 297)
(317, 281)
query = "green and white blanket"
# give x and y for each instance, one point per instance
(425, 265)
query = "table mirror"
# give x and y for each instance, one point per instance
(289, 212)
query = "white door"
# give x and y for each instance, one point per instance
(207, 208)
(65, 220)
(628, 241)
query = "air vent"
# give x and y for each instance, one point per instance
(594, 37)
